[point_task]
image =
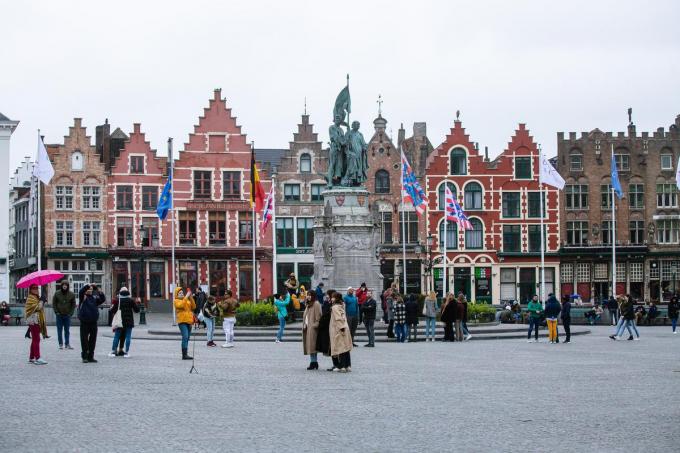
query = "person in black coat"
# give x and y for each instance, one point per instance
(88, 313)
(123, 333)
(411, 318)
(323, 337)
(448, 316)
(566, 318)
(369, 310)
(673, 311)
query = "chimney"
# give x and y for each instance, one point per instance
(486, 153)
(419, 130)
(103, 143)
(401, 135)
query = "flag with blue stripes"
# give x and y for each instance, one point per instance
(411, 190)
(455, 212)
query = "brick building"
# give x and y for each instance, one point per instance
(299, 180)
(75, 212)
(647, 218)
(499, 259)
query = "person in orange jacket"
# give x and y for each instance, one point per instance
(184, 307)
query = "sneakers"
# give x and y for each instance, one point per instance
(85, 361)
(126, 355)
(112, 354)
(674, 332)
(468, 336)
(228, 345)
(613, 337)
(630, 338)
(277, 341)
(529, 340)
(211, 344)
(636, 338)
(39, 362)
(349, 369)
(61, 347)
(31, 361)
(68, 346)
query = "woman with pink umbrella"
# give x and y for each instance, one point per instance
(35, 318)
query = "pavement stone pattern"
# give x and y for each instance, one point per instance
(591, 395)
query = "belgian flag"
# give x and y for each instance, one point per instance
(257, 194)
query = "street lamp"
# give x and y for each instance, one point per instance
(399, 268)
(141, 291)
(428, 262)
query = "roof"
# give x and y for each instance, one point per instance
(270, 158)
(4, 118)
(119, 134)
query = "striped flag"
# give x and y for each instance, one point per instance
(256, 189)
(455, 212)
(268, 211)
(411, 190)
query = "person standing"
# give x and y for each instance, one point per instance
(389, 295)
(361, 299)
(352, 312)
(281, 302)
(310, 329)
(127, 307)
(184, 312)
(430, 315)
(323, 339)
(400, 319)
(552, 311)
(566, 318)
(228, 306)
(35, 318)
(613, 308)
(448, 317)
(369, 309)
(460, 313)
(673, 310)
(88, 313)
(64, 306)
(412, 318)
(463, 320)
(341, 339)
(210, 312)
(201, 297)
(535, 311)
(319, 293)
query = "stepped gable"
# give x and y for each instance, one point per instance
(456, 137)
(136, 143)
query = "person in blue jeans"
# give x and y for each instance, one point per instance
(281, 302)
(430, 315)
(535, 309)
(123, 333)
(64, 306)
(400, 319)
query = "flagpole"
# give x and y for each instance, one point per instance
(254, 226)
(273, 227)
(403, 227)
(173, 281)
(613, 234)
(446, 233)
(542, 243)
(37, 185)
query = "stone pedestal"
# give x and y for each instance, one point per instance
(346, 241)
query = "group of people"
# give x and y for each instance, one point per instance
(551, 312)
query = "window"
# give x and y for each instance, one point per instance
(667, 162)
(451, 235)
(64, 198)
(474, 238)
(549, 280)
(316, 192)
(637, 272)
(606, 196)
(576, 162)
(91, 198)
(386, 227)
(245, 280)
(124, 198)
(577, 233)
(187, 228)
(219, 277)
(150, 226)
(535, 238)
(217, 225)
(77, 161)
(124, 227)
(91, 233)
(511, 204)
(637, 232)
(666, 196)
(245, 228)
(567, 272)
(156, 279)
(202, 184)
(622, 162)
(576, 196)
(667, 231)
(64, 233)
(382, 181)
(291, 192)
(149, 198)
(305, 163)
(305, 232)
(583, 272)
(601, 271)
(606, 232)
(458, 162)
(535, 205)
(231, 185)
(473, 197)
(522, 167)
(137, 164)
(508, 284)
(441, 194)
(411, 227)
(636, 196)
(512, 238)
(284, 232)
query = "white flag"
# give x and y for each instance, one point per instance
(677, 174)
(547, 173)
(43, 167)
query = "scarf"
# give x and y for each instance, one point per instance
(33, 307)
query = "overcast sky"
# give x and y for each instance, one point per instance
(567, 66)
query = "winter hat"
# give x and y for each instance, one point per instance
(123, 292)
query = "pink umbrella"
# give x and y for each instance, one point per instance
(40, 278)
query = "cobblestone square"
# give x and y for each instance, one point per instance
(591, 395)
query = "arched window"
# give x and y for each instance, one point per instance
(474, 238)
(76, 161)
(451, 235)
(442, 194)
(305, 163)
(458, 162)
(382, 181)
(473, 197)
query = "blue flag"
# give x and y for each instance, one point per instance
(616, 184)
(165, 201)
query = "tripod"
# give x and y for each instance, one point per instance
(193, 356)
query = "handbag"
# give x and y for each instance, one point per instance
(425, 309)
(117, 321)
(201, 316)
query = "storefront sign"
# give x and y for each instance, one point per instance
(217, 205)
(294, 251)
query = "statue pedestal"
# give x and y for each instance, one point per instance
(346, 241)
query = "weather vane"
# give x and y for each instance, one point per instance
(380, 101)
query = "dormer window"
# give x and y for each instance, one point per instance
(305, 163)
(77, 161)
(137, 164)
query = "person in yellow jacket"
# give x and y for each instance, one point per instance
(184, 307)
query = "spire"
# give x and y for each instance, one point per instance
(380, 101)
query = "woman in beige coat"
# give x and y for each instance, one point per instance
(341, 339)
(310, 329)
